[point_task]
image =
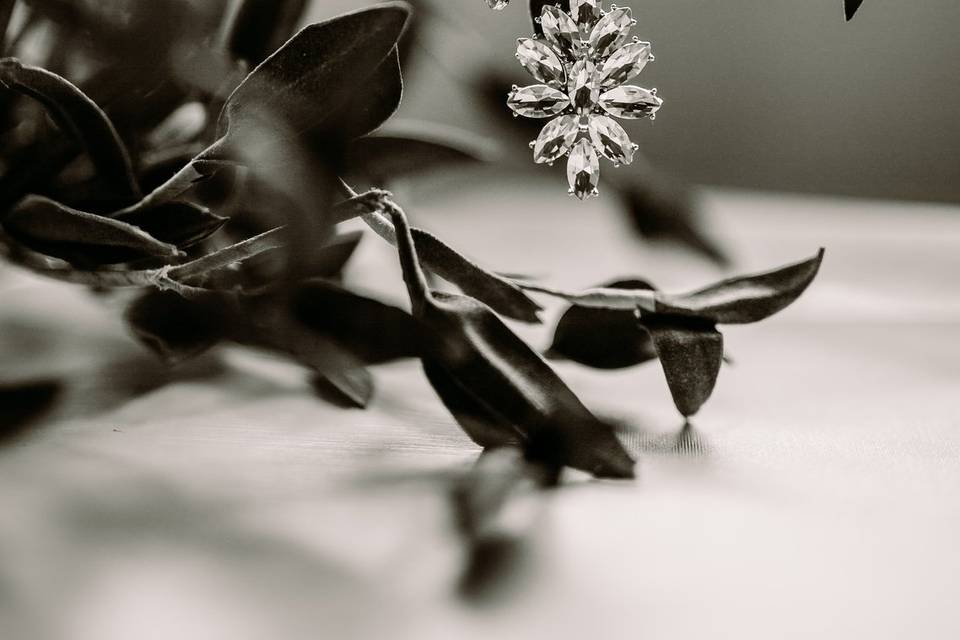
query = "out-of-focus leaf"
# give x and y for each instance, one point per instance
(370, 330)
(259, 27)
(410, 150)
(351, 388)
(302, 85)
(177, 223)
(6, 11)
(177, 329)
(22, 403)
(850, 7)
(744, 299)
(661, 211)
(536, 9)
(690, 351)
(77, 236)
(603, 338)
(78, 115)
(487, 361)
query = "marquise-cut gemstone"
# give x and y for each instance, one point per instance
(541, 61)
(585, 13)
(610, 139)
(498, 5)
(583, 86)
(624, 64)
(556, 139)
(560, 30)
(583, 170)
(537, 101)
(630, 102)
(611, 32)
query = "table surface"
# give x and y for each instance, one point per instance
(818, 494)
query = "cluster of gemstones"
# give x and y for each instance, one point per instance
(583, 61)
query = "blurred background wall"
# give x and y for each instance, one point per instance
(765, 94)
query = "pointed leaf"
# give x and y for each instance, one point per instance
(690, 352)
(603, 338)
(372, 104)
(57, 230)
(745, 299)
(178, 223)
(504, 376)
(850, 8)
(350, 388)
(302, 85)
(177, 329)
(80, 117)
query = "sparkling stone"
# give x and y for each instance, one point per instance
(610, 139)
(583, 86)
(560, 29)
(611, 32)
(624, 64)
(583, 170)
(585, 13)
(498, 5)
(540, 60)
(630, 102)
(556, 139)
(537, 101)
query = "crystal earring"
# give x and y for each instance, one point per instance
(583, 61)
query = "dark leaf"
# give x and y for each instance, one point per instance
(372, 103)
(56, 230)
(850, 7)
(177, 329)
(412, 150)
(371, 331)
(331, 260)
(501, 295)
(536, 9)
(301, 86)
(78, 115)
(664, 212)
(482, 357)
(746, 298)
(178, 223)
(259, 27)
(350, 388)
(22, 403)
(690, 351)
(603, 338)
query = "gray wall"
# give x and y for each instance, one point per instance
(771, 94)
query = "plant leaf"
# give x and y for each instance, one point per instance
(178, 223)
(298, 88)
(690, 351)
(744, 299)
(371, 331)
(412, 149)
(603, 338)
(84, 238)
(177, 329)
(500, 294)
(374, 101)
(850, 8)
(351, 388)
(79, 116)
(482, 357)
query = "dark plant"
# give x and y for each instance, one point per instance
(214, 185)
